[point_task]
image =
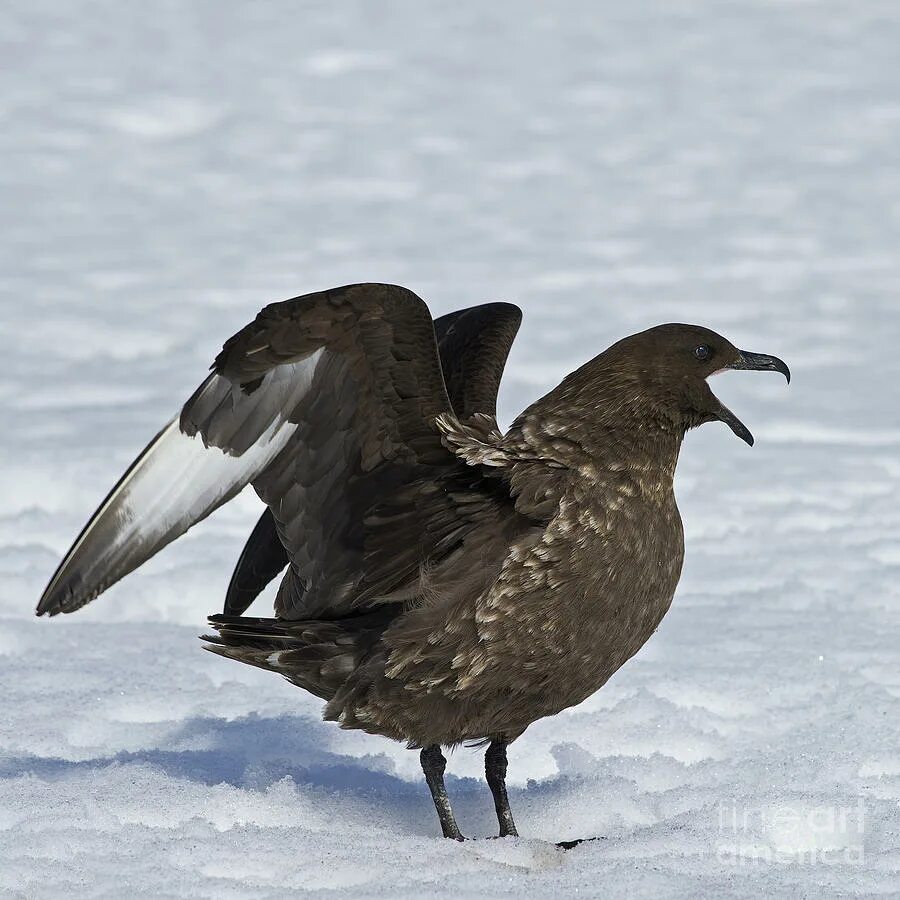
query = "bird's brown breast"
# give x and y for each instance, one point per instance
(572, 602)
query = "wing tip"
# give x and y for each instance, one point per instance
(498, 306)
(65, 599)
(235, 604)
(506, 306)
(53, 607)
(50, 604)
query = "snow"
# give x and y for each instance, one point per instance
(168, 168)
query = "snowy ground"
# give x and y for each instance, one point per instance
(168, 167)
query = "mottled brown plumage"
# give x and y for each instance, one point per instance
(446, 582)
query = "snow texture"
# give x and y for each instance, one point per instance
(169, 167)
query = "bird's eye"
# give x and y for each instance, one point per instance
(702, 352)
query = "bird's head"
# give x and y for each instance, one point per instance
(665, 370)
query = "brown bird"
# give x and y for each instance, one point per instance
(445, 582)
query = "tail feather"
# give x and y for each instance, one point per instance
(318, 656)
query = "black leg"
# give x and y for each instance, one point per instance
(433, 765)
(495, 770)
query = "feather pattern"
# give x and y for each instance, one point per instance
(473, 345)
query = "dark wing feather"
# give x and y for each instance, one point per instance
(262, 558)
(326, 404)
(473, 345)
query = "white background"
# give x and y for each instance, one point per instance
(167, 168)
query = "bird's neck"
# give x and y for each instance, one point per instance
(602, 434)
(593, 448)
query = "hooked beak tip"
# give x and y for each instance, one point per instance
(761, 362)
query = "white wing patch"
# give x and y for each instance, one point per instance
(225, 438)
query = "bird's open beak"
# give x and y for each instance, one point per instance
(753, 362)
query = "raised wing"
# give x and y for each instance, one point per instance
(326, 404)
(473, 345)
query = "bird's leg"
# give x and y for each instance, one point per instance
(433, 765)
(495, 771)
